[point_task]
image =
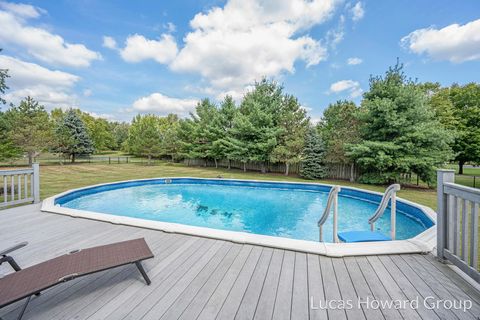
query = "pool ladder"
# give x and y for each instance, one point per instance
(388, 196)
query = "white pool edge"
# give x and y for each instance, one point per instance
(422, 243)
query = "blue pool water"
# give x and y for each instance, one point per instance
(274, 209)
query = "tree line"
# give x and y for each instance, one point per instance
(400, 127)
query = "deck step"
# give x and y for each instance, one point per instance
(362, 236)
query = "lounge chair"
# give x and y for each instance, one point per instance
(5, 257)
(25, 283)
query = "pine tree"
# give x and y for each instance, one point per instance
(30, 127)
(222, 129)
(314, 156)
(293, 121)
(144, 137)
(255, 129)
(72, 136)
(400, 131)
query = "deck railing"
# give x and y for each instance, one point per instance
(20, 186)
(457, 223)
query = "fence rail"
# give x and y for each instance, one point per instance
(20, 186)
(457, 223)
(338, 171)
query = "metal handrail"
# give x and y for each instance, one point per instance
(332, 198)
(390, 193)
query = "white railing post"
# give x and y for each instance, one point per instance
(443, 176)
(36, 183)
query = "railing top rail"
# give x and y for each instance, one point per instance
(333, 193)
(384, 202)
(462, 187)
(16, 171)
(463, 192)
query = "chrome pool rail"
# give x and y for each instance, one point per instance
(390, 194)
(332, 198)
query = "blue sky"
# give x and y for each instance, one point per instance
(117, 60)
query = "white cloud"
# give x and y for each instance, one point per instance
(354, 61)
(138, 48)
(21, 10)
(233, 46)
(357, 11)
(109, 42)
(38, 42)
(49, 87)
(352, 87)
(455, 43)
(107, 116)
(87, 92)
(163, 105)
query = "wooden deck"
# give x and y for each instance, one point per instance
(198, 278)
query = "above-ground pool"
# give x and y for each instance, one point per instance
(287, 210)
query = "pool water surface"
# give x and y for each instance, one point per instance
(258, 208)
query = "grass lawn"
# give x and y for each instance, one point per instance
(58, 178)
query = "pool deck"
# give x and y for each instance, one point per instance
(200, 278)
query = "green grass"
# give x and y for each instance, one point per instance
(59, 178)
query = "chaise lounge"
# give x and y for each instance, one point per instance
(25, 283)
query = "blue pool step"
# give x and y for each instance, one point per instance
(362, 236)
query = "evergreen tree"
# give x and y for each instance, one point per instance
(144, 137)
(169, 127)
(293, 123)
(30, 127)
(255, 129)
(221, 129)
(399, 131)
(313, 166)
(7, 148)
(72, 137)
(3, 83)
(339, 127)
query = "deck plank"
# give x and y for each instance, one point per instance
(236, 294)
(316, 292)
(347, 290)
(332, 292)
(300, 288)
(266, 302)
(200, 278)
(394, 291)
(283, 301)
(362, 289)
(248, 305)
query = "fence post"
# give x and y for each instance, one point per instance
(36, 183)
(443, 176)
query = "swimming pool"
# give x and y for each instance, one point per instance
(272, 209)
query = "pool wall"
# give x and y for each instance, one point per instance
(424, 242)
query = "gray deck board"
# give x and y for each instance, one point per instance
(200, 278)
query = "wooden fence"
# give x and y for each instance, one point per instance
(457, 223)
(337, 171)
(20, 186)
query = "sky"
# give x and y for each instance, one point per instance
(115, 59)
